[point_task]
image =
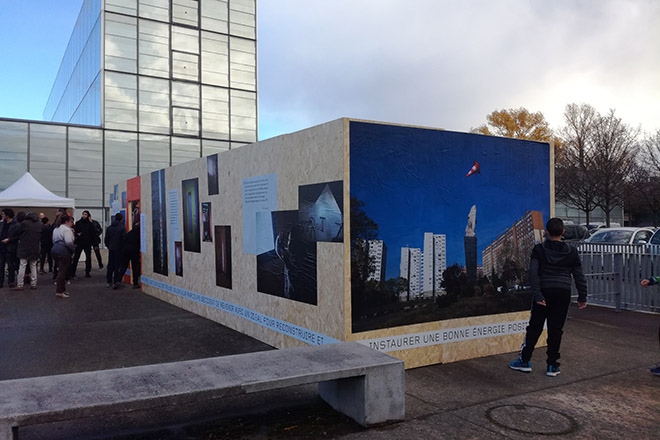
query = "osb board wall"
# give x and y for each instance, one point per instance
(311, 156)
(436, 341)
(444, 350)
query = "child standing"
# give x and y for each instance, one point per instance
(553, 267)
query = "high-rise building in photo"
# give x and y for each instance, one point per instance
(378, 256)
(434, 263)
(411, 266)
(143, 85)
(515, 243)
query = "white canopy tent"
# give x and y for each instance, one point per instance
(27, 192)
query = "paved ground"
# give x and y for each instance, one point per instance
(605, 390)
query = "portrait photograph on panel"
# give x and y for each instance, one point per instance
(159, 221)
(321, 211)
(206, 222)
(223, 256)
(288, 269)
(442, 223)
(212, 173)
(191, 233)
(178, 258)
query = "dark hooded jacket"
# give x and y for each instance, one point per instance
(30, 237)
(13, 235)
(85, 232)
(554, 264)
(115, 236)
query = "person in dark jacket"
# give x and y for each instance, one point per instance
(115, 236)
(132, 254)
(7, 216)
(653, 281)
(85, 233)
(553, 267)
(63, 248)
(98, 231)
(28, 250)
(46, 245)
(12, 247)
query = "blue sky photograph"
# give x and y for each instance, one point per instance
(413, 180)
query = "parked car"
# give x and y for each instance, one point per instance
(594, 226)
(575, 233)
(623, 235)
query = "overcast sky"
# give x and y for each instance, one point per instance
(435, 63)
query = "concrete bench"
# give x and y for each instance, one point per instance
(364, 384)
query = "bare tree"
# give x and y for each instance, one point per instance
(614, 149)
(642, 191)
(575, 181)
(652, 150)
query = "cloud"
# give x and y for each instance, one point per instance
(448, 64)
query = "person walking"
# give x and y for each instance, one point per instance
(98, 231)
(63, 248)
(28, 249)
(12, 247)
(652, 282)
(46, 245)
(84, 230)
(131, 254)
(553, 266)
(115, 236)
(6, 219)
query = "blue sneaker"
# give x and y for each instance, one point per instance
(656, 370)
(552, 371)
(519, 365)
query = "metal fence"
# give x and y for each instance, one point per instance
(614, 273)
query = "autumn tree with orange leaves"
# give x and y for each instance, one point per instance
(517, 123)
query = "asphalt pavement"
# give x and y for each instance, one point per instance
(605, 390)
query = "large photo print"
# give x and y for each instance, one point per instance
(159, 221)
(191, 233)
(442, 223)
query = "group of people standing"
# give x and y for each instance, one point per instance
(28, 241)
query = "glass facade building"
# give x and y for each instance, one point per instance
(143, 85)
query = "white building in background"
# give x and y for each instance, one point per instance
(411, 268)
(434, 263)
(143, 85)
(378, 255)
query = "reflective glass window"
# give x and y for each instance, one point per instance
(185, 94)
(85, 166)
(185, 40)
(13, 151)
(215, 112)
(184, 150)
(48, 156)
(185, 121)
(243, 116)
(243, 63)
(154, 105)
(155, 9)
(128, 7)
(120, 101)
(79, 69)
(185, 66)
(185, 12)
(242, 18)
(210, 147)
(154, 48)
(120, 43)
(120, 158)
(154, 153)
(215, 15)
(215, 59)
